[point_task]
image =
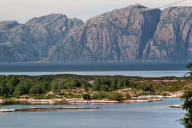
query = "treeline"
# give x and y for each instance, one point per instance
(114, 84)
(12, 86)
(109, 95)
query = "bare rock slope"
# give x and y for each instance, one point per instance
(172, 40)
(134, 33)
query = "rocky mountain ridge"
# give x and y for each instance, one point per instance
(134, 33)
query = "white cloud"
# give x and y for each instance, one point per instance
(22, 10)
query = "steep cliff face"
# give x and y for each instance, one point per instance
(134, 33)
(172, 40)
(13, 34)
(120, 35)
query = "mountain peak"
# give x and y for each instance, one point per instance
(8, 24)
(47, 18)
(137, 4)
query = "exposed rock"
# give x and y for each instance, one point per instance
(172, 40)
(120, 35)
(13, 34)
(134, 33)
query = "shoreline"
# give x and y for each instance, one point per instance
(139, 99)
(34, 109)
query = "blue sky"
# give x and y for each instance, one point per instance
(23, 10)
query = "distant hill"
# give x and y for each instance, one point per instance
(134, 33)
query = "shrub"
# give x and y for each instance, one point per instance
(100, 95)
(116, 96)
(127, 96)
(85, 84)
(86, 96)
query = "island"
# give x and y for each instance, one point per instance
(77, 89)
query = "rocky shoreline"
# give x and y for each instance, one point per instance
(139, 99)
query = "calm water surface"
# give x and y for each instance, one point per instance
(139, 115)
(126, 69)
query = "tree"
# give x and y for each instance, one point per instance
(114, 84)
(85, 84)
(36, 89)
(187, 120)
(45, 78)
(22, 88)
(116, 96)
(2, 77)
(187, 97)
(104, 88)
(86, 96)
(4, 91)
(96, 85)
(189, 66)
(12, 82)
(72, 83)
(45, 86)
(55, 86)
(101, 84)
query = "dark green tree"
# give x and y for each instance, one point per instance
(101, 84)
(85, 84)
(12, 82)
(4, 91)
(72, 83)
(86, 96)
(116, 96)
(2, 77)
(45, 86)
(104, 87)
(36, 89)
(114, 84)
(187, 120)
(22, 88)
(55, 86)
(189, 66)
(123, 83)
(187, 97)
(45, 78)
(96, 85)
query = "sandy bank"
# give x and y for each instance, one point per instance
(33, 109)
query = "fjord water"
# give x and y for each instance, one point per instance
(126, 69)
(138, 115)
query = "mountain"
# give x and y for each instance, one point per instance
(172, 40)
(12, 34)
(134, 33)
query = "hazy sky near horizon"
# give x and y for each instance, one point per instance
(23, 10)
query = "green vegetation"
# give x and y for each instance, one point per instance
(114, 84)
(88, 87)
(189, 66)
(86, 97)
(38, 87)
(116, 96)
(187, 97)
(187, 120)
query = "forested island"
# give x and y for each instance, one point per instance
(88, 89)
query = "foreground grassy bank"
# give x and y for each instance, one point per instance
(88, 89)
